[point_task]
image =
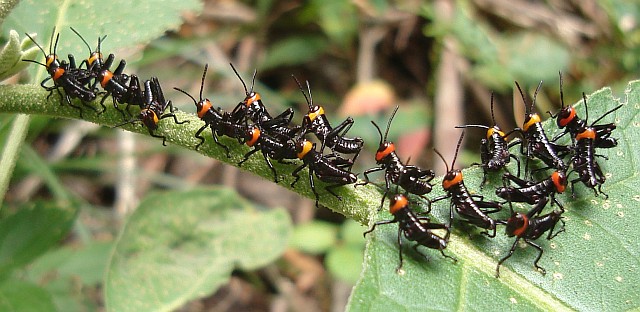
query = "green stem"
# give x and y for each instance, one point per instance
(357, 203)
(11, 150)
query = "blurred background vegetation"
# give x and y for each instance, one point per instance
(438, 60)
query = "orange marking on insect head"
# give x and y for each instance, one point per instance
(106, 77)
(456, 179)
(385, 150)
(520, 231)
(49, 59)
(398, 202)
(493, 130)
(255, 135)
(206, 105)
(94, 56)
(58, 73)
(566, 120)
(559, 181)
(253, 98)
(315, 114)
(530, 121)
(306, 148)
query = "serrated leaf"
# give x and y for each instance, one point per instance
(591, 267)
(179, 246)
(12, 55)
(32, 231)
(19, 296)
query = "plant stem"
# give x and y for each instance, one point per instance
(11, 150)
(357, 203)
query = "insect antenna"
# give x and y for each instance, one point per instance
(493, 117)
(561, 91)
(239, 77)
(535, 94)
(41, 49)
(379, 132)
(443, 160)
(253, 80)
(455, 156)
(386, 132)
(82, 38)
(308, 99)
(204, 74)
(524, 100)
(586, 110)
(55, 46)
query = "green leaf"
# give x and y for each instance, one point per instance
(345, 262)
(117, 18)
(351, 233)
(71, 274)
(338, 19)
(593, 266)
(125, 22)
(314, 237)
(12, 55)
(179, 246)
(293, 51)
(19, 296)
(85, 264)
(532, 57)
(32, 231)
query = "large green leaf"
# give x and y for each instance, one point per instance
(19, 296)
(31, 231)
(72, 274)
(183, 245)
(125, 22)
(592, 266)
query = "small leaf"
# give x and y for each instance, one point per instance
(19, 296)
(12, 55)
(32, 231)
(69, 274)
(293, 51)
(314, 237)
(86, 264)
(179, 246)
(592, 266)
(345, 262)
(338, 19)
(351, 233)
